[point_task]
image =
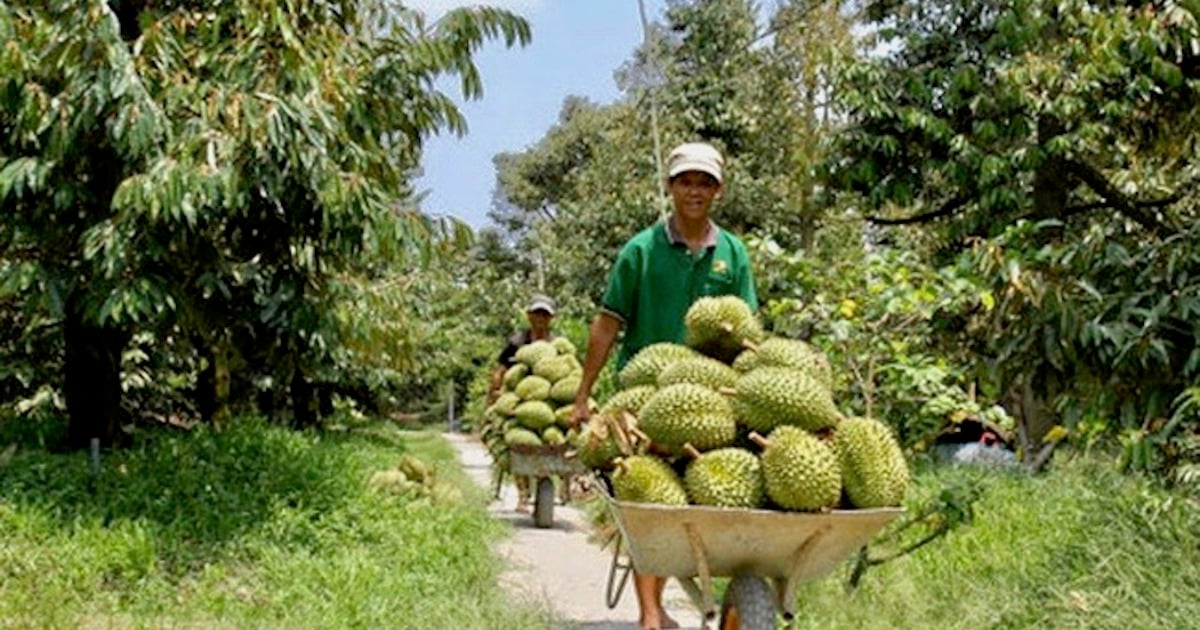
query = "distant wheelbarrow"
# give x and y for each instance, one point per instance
(751, 546)
(543, 463)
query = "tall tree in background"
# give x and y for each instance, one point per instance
(1066, 130)
(211, 170)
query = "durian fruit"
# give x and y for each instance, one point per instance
(556, 368)
(721, 327)
(533, 388)
(700, 370)
(768, 397)
(643, 368)
(553, 436)
(597, 448)
(564, 346)
(533, 352)
(563, 390)
(506, 403)
(647, 479)
(535, 415)
(514, 374)
(725, 477)
(631, 399)
(688, 413)
(801, 472)
(783, 352)
(874, 472)
(522, 437)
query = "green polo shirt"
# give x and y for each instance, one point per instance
(655, 279)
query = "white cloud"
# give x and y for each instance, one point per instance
(434, 8)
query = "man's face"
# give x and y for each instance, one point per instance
(693, 193)
(539, 319)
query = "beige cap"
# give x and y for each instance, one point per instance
(695, 156)
(541, 302)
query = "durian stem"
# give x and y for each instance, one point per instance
(637, 433)
(727, 391)
(690, 450)
(759, 440)
(749, 345)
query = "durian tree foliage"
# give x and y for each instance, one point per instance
(219, 175)
(1047, 150)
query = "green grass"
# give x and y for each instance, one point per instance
(253, 527)
(1079, 547)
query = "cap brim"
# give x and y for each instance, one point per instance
(695, 166)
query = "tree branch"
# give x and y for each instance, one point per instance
(950, 206)
(1096, 180)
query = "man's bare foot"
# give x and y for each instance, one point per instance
(662, 621)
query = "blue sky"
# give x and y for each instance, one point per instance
(576, 47)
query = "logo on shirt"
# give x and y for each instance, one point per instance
(719, 266)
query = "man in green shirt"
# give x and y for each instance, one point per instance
(657, 276)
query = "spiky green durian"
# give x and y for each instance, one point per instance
(783, 352)
(597, 448)
(556, 368)
(563, 390)
(534, 414)
(564, 346)
(522, 437)
(514, 374)
(506, 403)
(801, 471)
(647, 479)
(726, 477)
(533, 352)
(643, 368)
(699, 370)
(721, 327)
(553, 436)
(874, 471)
(631, 399)
(768, 397)
(533, 388)
(688, 414)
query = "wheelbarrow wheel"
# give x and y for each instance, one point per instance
(749, 604)
(543, 505)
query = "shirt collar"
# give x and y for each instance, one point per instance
(675, 238)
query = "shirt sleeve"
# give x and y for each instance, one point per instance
(620, 299)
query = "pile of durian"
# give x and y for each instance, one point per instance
(535, 402)
(737, 418)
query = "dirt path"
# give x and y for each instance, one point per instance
(557, 567)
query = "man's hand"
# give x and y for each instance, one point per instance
(580, 414)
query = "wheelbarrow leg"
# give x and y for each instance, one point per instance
(543, 506)
(786, 589)
(700, 595)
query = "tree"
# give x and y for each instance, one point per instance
(203, 170)
(1063, 130)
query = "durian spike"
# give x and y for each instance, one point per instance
(759, 440)
(690, 450)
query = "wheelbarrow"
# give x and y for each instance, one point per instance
(543, 463)
(695, 544)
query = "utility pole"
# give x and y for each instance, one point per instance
(652, 60)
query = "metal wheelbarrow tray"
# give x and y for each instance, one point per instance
(689, 542)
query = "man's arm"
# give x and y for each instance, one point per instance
(601, 337)
(496, 383)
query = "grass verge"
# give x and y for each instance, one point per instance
(253, 527)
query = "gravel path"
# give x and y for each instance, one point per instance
(557, 567)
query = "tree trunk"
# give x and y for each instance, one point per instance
(92, 378)
(304, 401)
(212, 386)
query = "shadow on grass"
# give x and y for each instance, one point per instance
(197, 492)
